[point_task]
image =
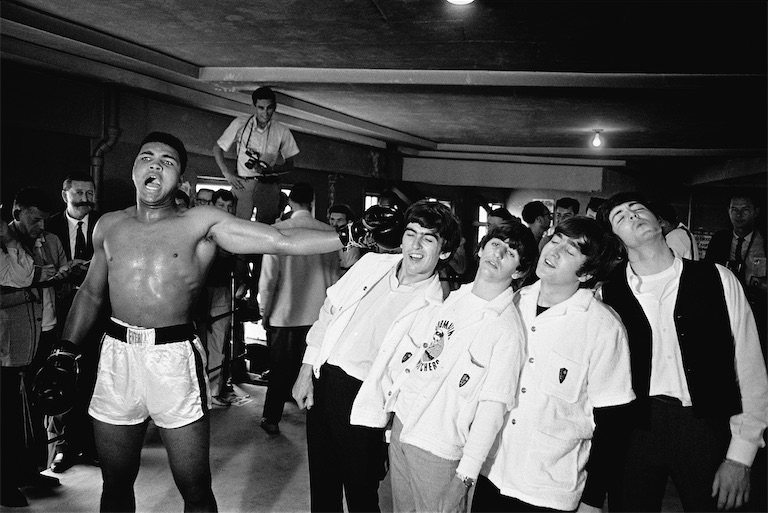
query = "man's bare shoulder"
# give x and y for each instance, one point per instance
(110, 218)
(208, 214)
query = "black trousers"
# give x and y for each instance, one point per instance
(286, 349)
(342, 457)
(679, 446)
(488, 498)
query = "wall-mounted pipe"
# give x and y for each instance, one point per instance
(112, 124)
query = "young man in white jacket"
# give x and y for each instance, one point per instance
(450, 380)
(375, 301)
(577, 363)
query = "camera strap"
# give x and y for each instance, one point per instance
(251, 120)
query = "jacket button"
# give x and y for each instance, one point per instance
(523, 390)
(425, 344)
(389, 393)
(533, 328)
(407, 371)
(530, 360)
(514, 421)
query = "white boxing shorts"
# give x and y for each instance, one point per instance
(150, 372)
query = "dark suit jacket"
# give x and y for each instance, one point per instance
(719, 249)
(58, 225)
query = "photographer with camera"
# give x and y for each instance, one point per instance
(261, 142)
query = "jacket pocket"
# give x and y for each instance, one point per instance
(467, 375)
(563, 377)
(551, 462)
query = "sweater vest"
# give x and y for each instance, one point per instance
(704, 333)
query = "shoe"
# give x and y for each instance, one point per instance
(219, 401)
(41, 481)
(271, 429)
(62, 462)
(12, 497)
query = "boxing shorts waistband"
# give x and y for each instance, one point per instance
(150, 336)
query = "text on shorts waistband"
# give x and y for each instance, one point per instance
(150, 336)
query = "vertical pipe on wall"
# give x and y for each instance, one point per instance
(112, 133)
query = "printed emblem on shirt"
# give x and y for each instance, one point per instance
(463, 380)
(406, 357)
(563, 374)
(429, 360)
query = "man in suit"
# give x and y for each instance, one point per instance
(73, 431)
(743, 251)
(292, 291)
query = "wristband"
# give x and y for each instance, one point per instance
(737, 464)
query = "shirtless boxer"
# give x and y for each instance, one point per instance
(150, 262)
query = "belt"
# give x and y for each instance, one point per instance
(261, 178)
(668, 400)
(150, 336)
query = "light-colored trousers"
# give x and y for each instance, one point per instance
(418, 476)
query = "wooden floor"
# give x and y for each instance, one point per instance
(252, 471)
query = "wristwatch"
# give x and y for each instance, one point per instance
(468, 481)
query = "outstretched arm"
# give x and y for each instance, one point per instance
(245, 237)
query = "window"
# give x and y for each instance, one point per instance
(482, 218)
(371, 199)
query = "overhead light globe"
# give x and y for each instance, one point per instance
(597, 141)
(460, 2)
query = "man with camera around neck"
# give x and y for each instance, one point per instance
(261, 144)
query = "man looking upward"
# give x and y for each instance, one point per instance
(565, 208)
(697, 371)
(150, 262)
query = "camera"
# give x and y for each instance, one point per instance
(253, 158)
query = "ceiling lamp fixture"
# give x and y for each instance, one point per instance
(597, 141)
(460, 2)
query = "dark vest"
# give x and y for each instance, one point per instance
(704, 332)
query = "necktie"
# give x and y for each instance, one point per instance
(739, 246)
(738, 259)
(79, 241)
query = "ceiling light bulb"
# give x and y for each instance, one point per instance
(460, 2)
(596, 140)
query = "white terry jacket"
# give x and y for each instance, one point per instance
(481, 362)
(343, 297)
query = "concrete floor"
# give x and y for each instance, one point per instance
(252, 471)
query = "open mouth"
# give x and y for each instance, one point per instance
(152, 182)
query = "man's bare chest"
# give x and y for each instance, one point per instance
(139, 244)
